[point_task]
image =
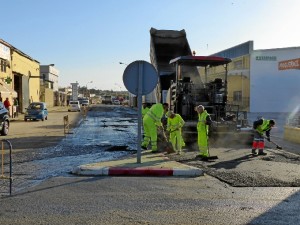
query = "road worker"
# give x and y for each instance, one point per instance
(261, 126)
(204, 121)
(174, 125)
(151, 121)
(145, 109)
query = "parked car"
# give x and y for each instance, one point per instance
(116, 102)
(4, 120)
(74, 106)
(36, 111)
(85, 102)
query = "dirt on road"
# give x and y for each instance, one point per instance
(39, 134)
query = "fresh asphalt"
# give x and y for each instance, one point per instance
(143, 199)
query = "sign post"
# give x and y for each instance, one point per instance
(140, 78)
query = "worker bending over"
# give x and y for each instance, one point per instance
(261, 126)
(174, 125)
(204, 121)
(151, 121)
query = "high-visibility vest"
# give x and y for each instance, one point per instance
(201, 125)
(264, 127)
(175, 123)
(144, 111)
(156, 112)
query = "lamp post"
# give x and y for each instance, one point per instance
(87, 87)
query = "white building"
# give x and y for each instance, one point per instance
(275, 80)
(49, 76)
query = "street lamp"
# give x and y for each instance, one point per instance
(87, 87)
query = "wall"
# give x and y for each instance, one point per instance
(292, 134)
(273, 89)
(28, 67)
(49, 97)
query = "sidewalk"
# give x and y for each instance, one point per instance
(152, 164)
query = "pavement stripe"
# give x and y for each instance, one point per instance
(140, 171)
(123, 171)
(189, 172)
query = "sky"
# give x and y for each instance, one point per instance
(87, 39)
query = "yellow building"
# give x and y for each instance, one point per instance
(21, 74)
(238, 79)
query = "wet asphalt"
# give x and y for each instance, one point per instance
(110, 132)
(236, 189)
(106, 133)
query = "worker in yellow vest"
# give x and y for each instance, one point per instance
(174, 125)
(204, 121)
(261, 126)
(151, 121)
(145, 109)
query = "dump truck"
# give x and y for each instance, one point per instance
(107, 99)
(181, 85)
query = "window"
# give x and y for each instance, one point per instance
(237, 96)
(238, 64)
(3, 65)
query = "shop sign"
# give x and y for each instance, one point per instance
(4, 52)
(289, 64)
(266, 58)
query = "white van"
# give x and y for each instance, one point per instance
(74, 106)
(85, 102)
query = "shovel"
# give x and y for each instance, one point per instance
(169, 146)
(277, 146)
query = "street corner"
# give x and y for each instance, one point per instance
(137, 171)
(155, 164)
(86, 170)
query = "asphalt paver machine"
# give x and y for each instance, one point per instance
(229, 123)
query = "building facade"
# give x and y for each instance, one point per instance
(49, 76)
(20, 74)
(262, 81)
(275, 79)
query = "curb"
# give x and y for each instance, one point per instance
(123, 171)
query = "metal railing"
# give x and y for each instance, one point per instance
(5, 143)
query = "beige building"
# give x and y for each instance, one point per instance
(21, 74)
(238, 79)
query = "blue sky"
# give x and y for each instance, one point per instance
(86, 39)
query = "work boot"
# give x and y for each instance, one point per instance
(204, 158)
(200, 156)
(254, 152)
(261, 152)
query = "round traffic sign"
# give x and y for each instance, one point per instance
(140, 76)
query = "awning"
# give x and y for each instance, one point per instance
(6, 90)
